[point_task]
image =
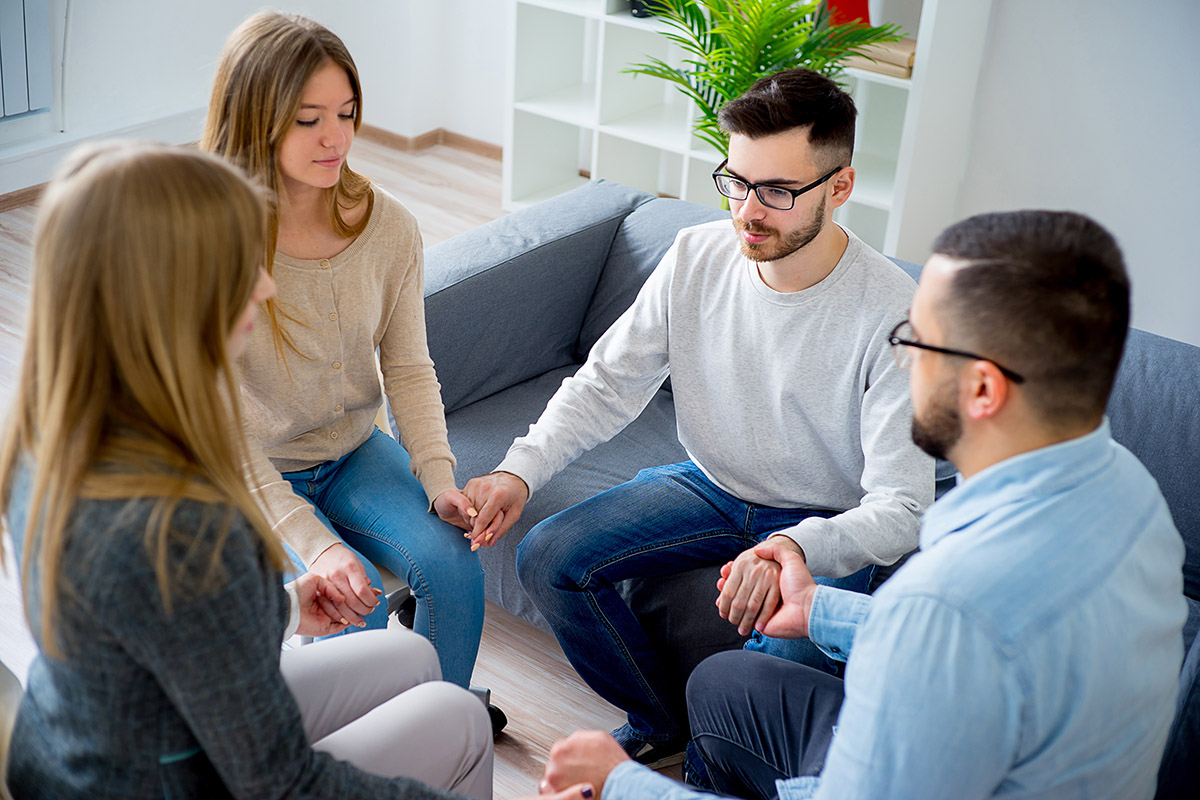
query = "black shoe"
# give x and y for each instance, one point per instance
(403, 604)
(499, 719)
(654, 755)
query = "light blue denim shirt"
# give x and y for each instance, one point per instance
(1030, 650)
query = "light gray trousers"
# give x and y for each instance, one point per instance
(376, 699)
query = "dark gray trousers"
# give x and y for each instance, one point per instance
(757, 718)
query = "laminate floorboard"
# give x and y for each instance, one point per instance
(450, 191)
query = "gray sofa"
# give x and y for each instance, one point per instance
(514, 306)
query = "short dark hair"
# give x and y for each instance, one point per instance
(796, 98)
(1046, 294)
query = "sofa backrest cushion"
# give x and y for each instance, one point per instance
(537, 269)
(643, 238)
(1153, 412)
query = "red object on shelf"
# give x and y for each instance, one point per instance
(843, 11)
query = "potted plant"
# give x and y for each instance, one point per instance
(729, 44)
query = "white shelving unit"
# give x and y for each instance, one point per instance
(573, 113)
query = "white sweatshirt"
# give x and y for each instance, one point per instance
(785, 400)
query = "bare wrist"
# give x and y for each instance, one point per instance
(518, 477)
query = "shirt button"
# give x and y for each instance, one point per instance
(338, 408)
(333, 434)
(324, 263)
(333, 317)
(337, 365)
(836, 650)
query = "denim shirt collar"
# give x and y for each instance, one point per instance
(1037, 473)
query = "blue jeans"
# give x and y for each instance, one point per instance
(666, 520)
(371, 501)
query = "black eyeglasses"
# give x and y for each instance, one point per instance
(903, 334)
(776, 197)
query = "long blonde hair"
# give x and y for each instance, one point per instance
(264, 67)
(144, 258)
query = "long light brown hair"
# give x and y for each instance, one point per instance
(144, 258)
(266, 63)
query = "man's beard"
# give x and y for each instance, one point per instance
(941, 427)
(798, 237)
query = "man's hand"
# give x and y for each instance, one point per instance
(319, 615)
(339, 567)
(453, 506)
(584, 757)
(796, 588)
(499, 497)
(749, 591)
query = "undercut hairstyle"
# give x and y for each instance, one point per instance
(796, 98)
(1046, 294)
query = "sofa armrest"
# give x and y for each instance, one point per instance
(505, 302)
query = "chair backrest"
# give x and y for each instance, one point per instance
(1179, 775)
(10, 698)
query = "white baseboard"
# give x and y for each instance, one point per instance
(34, 162)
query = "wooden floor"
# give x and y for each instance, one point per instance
(449, 191)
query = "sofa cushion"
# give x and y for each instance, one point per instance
(1152, 412)
(641, 241)
(492, 316)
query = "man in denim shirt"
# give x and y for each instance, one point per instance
(1032, 648)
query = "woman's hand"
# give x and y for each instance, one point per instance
(454, 507)
(342, 570)
(319, 615)
(500, 497)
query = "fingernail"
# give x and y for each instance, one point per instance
(488, 538)
(472, 512)
(474, 547)
(467, 535)
(362, 624)
(586, 792)
(344, 621)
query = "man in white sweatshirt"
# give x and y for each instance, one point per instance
(791, 409)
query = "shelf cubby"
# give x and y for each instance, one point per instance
(549, 157)
(645, 167)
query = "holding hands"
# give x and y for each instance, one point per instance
(768, 588)
(319, 615)
(454, 507)
(348, 587)
(499, 497)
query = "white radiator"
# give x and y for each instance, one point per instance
(24, 56)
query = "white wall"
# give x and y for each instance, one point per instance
(477, 42)
(1093, 106)
(1089, 105)
(145, 67)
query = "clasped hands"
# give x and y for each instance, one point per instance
(768, 588)
(485, 509)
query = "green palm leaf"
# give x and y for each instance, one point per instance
(729, 44)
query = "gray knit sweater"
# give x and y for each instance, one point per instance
(785, 400)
